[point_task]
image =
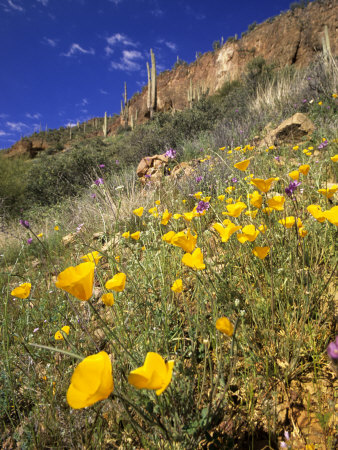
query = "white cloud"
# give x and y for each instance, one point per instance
(3, 116)
(3, 133)
(127, 62)
(35, 116)
(76, 48)
(44, 2)
(13, 6)
(102, 91)
(193, 13)
(16, 126)
(109, 51)
(119, 38)
(171, 45)
(48, 41)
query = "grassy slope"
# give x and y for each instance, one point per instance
(272, 375)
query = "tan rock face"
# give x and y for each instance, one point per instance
(290, 38)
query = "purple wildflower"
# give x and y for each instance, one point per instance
(93, 195)
(35, 330)
(99, 181)
(117, 162)
(78, 229)
(24, 223)
(202, 206)
(304, 101)
(322, 145)
(292, 187)
(332, 349)
(277, 158)
(198, 179)
(286, 435)
(171, 153)
(102, 166)
(147, 175)
(234, 180)
(283, 445)
(29, 240)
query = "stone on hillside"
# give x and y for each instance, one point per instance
(150, 166)
(291, 131)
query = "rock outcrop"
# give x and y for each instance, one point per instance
(294, 37)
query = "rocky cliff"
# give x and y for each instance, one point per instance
(294, 37)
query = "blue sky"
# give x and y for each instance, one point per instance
(64, 61)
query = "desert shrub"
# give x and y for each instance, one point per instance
(13, 184)
(52, 178)
(216, 45)
(227, 87)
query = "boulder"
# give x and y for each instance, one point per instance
(291, 131)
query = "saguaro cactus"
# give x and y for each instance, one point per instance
(105, 125)
(152, 86)
(125, 108)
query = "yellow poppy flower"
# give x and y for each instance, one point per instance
(108, 299)
(288, 222)
(308, 153)
(332, 215)
(262, 228)
(229, 189)
(320, 103)
(304, 169)
(117, 258)
(126, 235)
(77, 281)
(117, 283)
(155, 374)
(249, 233)
(294, 174)
(177, 216)
(177, 286)
(92, 257)
(235, 209)
(229, 152)
(221, 148)
(198, 195)
(221, 198)
(153, 210)
(138, 212)
(302, 232)
(39, 235)
(261, 252)
(263, 185)
(242, 165)
(185, 240)
(296, 147)
(329, 192)
(251, 214)
(56, 228)
(224, 325)
(276, 202)
(158, 202)
(189, 215)
(267, 210)
(136, 235)
(227, 232)
(229, 200)
(194, 260)
(59, 336)
(91, 381)
(256, 199)
(334, 158)
(316, 212)
(166, 216)
(168, 236)
(22, 291)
